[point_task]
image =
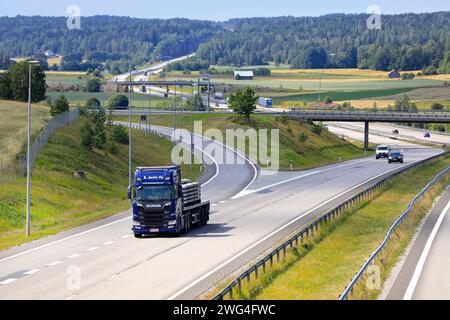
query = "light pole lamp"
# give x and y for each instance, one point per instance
(28, 223)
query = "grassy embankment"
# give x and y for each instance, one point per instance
(323, 266)
(59, 200)
(298, 142)
(13, 127)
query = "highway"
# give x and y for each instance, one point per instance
(424, 274)
(386, 131)
(250, 213)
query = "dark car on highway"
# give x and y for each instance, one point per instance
(396, 156)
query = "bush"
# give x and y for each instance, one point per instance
(317, 130)
(302, 137)
(118, 100)
(120, 135)
(112, 148)
(328, 100)
(93, 85)
(408, 76)
(437, 106)
(60, 106)
(92, 103)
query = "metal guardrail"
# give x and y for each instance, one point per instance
(309, 230)
(349, 289)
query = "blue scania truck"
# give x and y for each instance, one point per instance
(163, 203)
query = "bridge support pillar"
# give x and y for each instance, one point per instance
(366, 136)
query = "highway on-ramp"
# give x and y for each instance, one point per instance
(104, 261)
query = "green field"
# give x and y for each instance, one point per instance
(66, 78)
(340, 95)
(59, 200)
(312, 151)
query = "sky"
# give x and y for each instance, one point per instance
(215, 10)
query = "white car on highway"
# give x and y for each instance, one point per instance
(383, 151)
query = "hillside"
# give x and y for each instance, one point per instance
(115, 41)
(59, 200)
(299, 141)
(13, 127)
(405, 41)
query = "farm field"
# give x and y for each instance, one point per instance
(326, 85)
(66, 78)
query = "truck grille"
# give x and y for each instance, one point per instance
(153, 219)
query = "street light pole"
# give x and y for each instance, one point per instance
(28, 223)
(28, 219)
(130, 148)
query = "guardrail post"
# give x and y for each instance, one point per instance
(271, 261)
(231, 293)
(256, 272)
(239, 284)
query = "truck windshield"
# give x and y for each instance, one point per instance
(154, 193)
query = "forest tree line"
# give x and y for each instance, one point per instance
(405, 42)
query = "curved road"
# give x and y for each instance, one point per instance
(103, 260)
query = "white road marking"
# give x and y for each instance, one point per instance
(74, 256)
(52, 264)
(92, 249)
(126, 236)
(72, 296)
(108, 243)
(8, 281)
(222, 202)
(33, 271)
(64, 239)
(257, 243)
(247, 192)
(423, 258)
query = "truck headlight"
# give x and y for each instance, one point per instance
(136, 223)
(172, 223)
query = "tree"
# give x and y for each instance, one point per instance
(196, 103)
(437, 106)
(5, 86)
(404, 104)
(93, 85)
(60, 106)
(18, 75)
(92, 103)
(118, 100)
(243, 102)
(328, 100)
(444, 66)
(98, 119)
(120, 135)
(87, 136)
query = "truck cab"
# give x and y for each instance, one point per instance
(159, 206)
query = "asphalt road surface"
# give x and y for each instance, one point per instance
(425, 273)
(103, 260)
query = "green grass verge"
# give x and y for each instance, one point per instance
(59, 201)
(323, 266)
(316, 150)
